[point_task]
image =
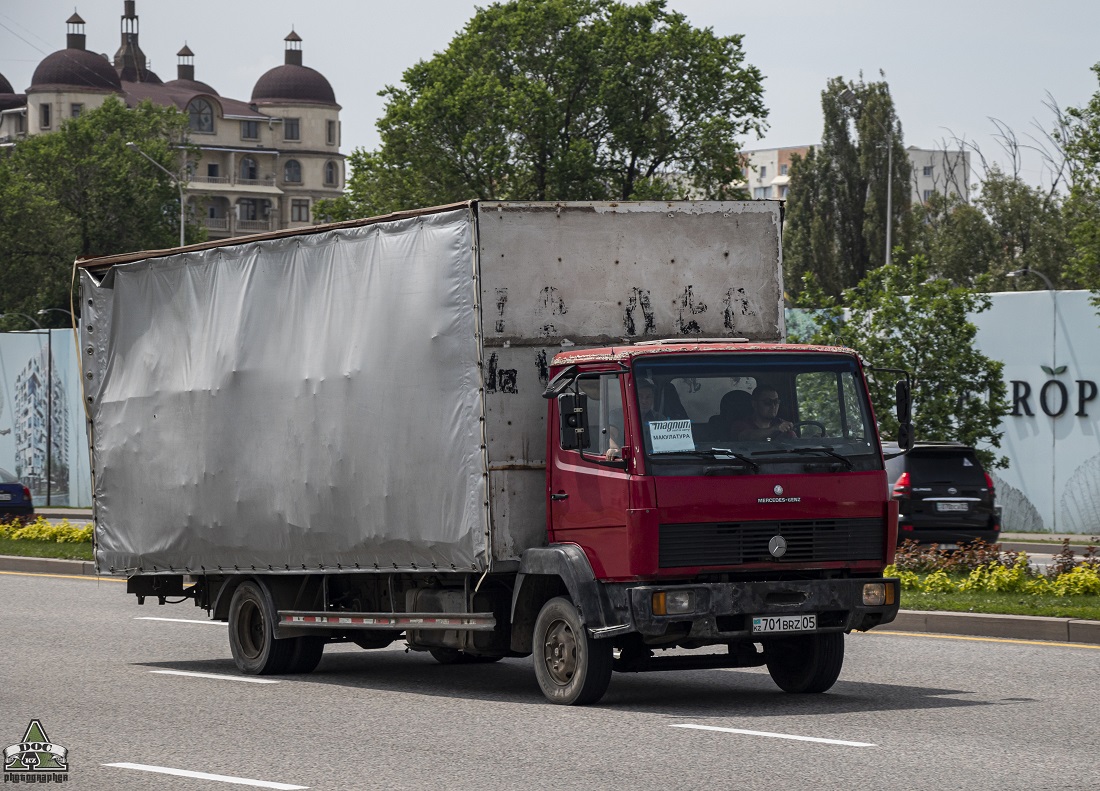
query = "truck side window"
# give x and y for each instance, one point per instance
(605, 414)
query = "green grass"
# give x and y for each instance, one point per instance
(1085, 607)
(46, 549)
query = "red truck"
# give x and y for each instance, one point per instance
(565, 431)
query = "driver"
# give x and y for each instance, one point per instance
(764, 423)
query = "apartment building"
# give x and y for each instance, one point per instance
(767, 172)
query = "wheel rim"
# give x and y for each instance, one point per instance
(560, 652)
(250, 629)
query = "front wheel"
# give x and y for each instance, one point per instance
(571, 667)
(807, 663)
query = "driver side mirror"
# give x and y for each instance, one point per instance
(904, 413)
(573, 421)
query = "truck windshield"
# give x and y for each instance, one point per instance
(747, 413)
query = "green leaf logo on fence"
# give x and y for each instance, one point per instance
(1061, 369)
(36, 759)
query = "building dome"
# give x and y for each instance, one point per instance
(75, 68)
(5, 86)
(293, 82)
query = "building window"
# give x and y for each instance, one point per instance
(760, 193)
(299, 211)
(44, 116)
(75, 110)
(782, 170)
(249, 171)
(928, 195)
(248, 209)
(331, 134)
(763, 171)
(250, 130)
(330, 174)
(292, 172)
(20, 122)
(783, 191)
(928, 170)
(212, 170)
(291, 129)
(200, 115)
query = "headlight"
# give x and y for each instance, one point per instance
(876, 594)
(673, 602)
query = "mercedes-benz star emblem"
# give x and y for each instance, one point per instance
(778, 545)
(778, 490)
(952, 490)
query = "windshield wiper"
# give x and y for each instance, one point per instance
(813, 449)
(716, 453)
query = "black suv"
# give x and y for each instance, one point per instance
(944, 495)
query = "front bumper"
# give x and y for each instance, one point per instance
(724, 611)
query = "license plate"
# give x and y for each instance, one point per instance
(953, 507)
(783, 623)
(5, 496)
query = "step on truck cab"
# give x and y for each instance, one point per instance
(569, 431)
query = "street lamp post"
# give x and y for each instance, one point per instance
(49, 399)
(1053, 366)
(848, 98)
(171, 175)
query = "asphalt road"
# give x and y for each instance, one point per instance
(910, 711)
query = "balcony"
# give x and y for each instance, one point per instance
(253, 226)
(217, 223)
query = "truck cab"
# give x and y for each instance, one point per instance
(739, 502)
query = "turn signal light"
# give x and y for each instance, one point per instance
(673, 603)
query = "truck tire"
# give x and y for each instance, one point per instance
(306, 654)
(807, 663)
(572, 668)
(252, 632)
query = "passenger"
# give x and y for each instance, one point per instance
(764, 423)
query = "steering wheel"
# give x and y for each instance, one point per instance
(819, 426)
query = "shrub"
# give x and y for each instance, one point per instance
(42, 530)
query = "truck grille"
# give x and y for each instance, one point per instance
(735, 543)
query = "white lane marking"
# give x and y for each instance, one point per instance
(243, 781)
(775, 735)
(245, 679)
(177, 620)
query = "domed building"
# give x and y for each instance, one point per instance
(263, 163)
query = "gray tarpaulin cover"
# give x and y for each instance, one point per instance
(305, 401)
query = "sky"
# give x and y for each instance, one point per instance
(952, 65)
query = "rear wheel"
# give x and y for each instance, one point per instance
(571, 667)
(252, 632)
(807, 663)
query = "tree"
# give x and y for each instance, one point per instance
(562, 99)
(897, 318)
(836, 224)
(80, 192)
(1082, 208)
(955, 238)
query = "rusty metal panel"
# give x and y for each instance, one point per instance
(597, 273)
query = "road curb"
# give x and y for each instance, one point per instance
(1018, 627)
(81, 568)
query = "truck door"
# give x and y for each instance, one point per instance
(588, 486)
